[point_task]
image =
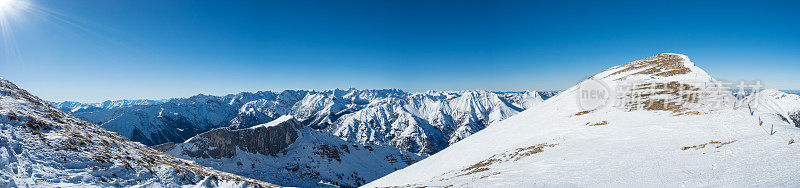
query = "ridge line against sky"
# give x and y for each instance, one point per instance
(96, 50)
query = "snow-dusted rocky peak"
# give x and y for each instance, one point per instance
(288, 154)
(266, 109)
(560, 143)
(42, 146)
(429, 122)
(666, 66)
(320, 110)
(665, 82)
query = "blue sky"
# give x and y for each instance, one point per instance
(92, 50)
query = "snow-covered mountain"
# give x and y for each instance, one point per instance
(42, 146)
(784, 106)
(172, 121)
(669, 125)
(77, 107)
(289, 154)
(417, 122)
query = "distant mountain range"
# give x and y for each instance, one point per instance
(417, 122)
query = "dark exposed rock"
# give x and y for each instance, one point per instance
(223, 142)
(795, 117)
(164, 147)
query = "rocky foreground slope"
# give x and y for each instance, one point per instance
(668, 123)
(42, 146)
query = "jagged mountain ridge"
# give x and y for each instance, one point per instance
(652, 141)
(418, 122)
(289, 154)
(42, 146)
(77, 107)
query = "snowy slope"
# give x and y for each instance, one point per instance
(42, 146)
(417, 122)
(784, 106)
(286, 153)
(696, 143)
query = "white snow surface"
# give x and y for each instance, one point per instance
(553, 144)
(42, 146)
(275, 122)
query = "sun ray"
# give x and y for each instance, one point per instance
(8, 10)
(12, 9)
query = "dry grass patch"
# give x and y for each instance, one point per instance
(718, 144)
(597, 124)
(514, 155)
(670, 96)
(584, 112)
(687, 113)
(663, 65)
(488, 175)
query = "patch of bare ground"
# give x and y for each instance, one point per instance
(583, 112)
(488, 175)
(687, 113)
(712, 143)
(514, 155)
(597, 124)
(663, 65)
(418, 186)
(670, 96)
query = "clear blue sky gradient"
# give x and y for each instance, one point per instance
(161, 49)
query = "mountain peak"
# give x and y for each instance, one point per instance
(668, 66)
(663, 82)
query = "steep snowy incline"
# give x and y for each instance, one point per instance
(286, 153)
(644, 138)
(42, 146)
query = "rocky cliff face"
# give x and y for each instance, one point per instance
(225, 142)
(795, 117)
(288, 154)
